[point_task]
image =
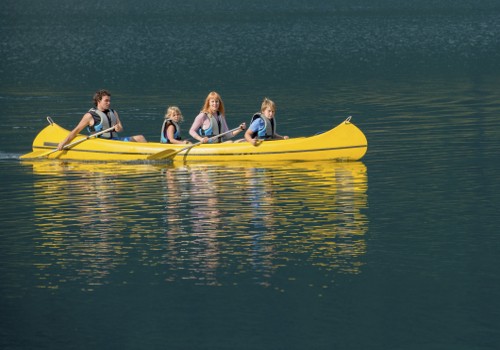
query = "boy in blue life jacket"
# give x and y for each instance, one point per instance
(263, 124)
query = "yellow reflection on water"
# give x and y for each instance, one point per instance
(208, 223)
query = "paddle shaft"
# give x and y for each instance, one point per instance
(210, 139)
(76, 142)
(169, 154)
(223, 134)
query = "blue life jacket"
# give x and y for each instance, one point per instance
(163, 135)
(267, 131)
(102, 121)
(214, 128)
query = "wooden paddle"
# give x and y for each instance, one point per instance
(169, 153)
(44, 154)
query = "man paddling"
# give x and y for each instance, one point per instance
(99, 118)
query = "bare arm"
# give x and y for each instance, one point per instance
(248, 137)
(118, 126)
(279, 137)
(171, 137)
(86, 121)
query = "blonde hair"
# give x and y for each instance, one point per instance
(267, 103)
(213, 96)
(173, 109)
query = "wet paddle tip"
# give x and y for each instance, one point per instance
(161, 155)
(36, 154)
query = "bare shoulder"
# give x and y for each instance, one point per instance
(87, 119)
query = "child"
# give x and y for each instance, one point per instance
(170, 130)
(263, 124)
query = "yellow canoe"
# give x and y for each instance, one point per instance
(343, 142)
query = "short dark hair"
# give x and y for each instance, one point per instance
(99, 94)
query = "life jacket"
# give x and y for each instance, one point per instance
(269, 129)
(103, 121)
(214, 128)
(163, 135)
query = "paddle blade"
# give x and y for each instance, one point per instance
(170, 152)
(162, 154)
(37, 154)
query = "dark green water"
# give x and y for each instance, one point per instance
(397, 251)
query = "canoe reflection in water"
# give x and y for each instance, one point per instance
(212, 224)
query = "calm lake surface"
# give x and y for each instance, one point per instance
(397, 251)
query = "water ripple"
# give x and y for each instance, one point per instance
(202, 223)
